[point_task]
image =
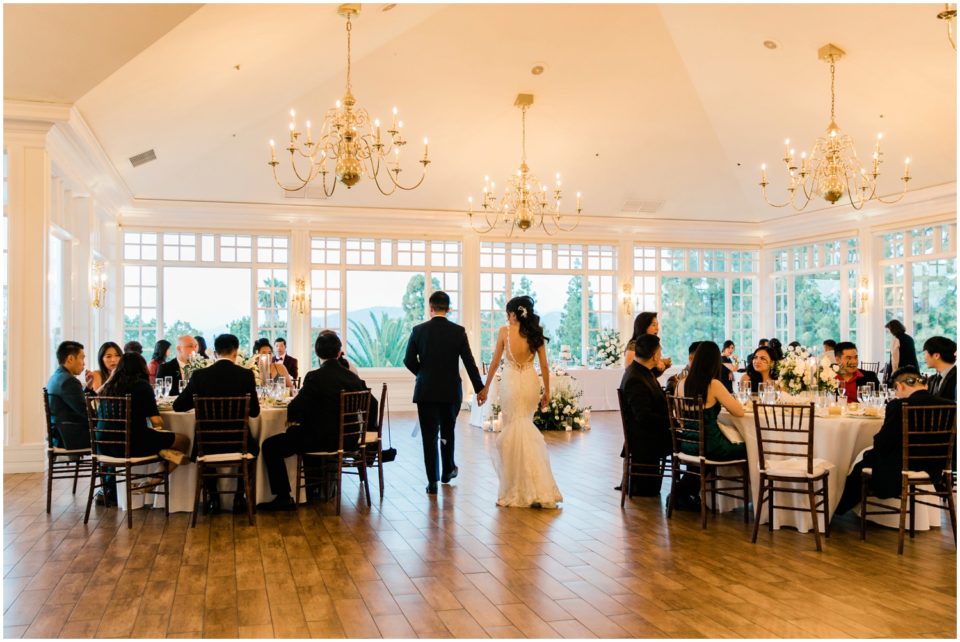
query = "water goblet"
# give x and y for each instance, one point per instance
(167, 385)
(182, 385)
(158, 390)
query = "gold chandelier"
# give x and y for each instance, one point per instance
(832, 170)
(524, 203)
(949, 14)
(349, 143)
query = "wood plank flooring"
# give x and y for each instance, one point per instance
(456, 565)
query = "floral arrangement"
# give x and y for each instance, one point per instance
(563, 412)
(799, 371)
(558, 371)
(609, 348)
(195, 362)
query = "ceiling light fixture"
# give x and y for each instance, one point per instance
(348, 141)
(524, 203)
(832, 169)
(949, 14)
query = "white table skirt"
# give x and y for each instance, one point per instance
(838, 440)
(183, 480)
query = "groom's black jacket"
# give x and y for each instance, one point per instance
(432, 354)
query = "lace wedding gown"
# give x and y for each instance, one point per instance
(520, 457)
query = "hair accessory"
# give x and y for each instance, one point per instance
(523, 311)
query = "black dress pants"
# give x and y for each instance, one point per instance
(276, 449)
(437, 420)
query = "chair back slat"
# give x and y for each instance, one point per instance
(929, 435)
(109, 420)
(222, 424)
(49, 417)
(354, 409)
(623, 422)
(382, 410)
(872, 366)
(784, 431)
(686, 416)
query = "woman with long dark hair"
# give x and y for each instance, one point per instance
(645, 323)
(521, 459)
(201, 346)
(761, 368)
(903, 350)
(107, 358)
(704, 382)
(147, 436)
(160, 352)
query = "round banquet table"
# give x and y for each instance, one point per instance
(183, 480)
(838, 440)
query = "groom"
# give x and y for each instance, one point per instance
(433, 355)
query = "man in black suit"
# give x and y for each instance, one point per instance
(281, 356)
(316, 408)
(223, 379)
(850, 376)
(886, 456)
(433, 354)
(648, 424)
(68, 405)
(186, 346)
(940, 353)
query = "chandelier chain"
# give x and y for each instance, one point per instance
(833, 90)
(523, 136)
(349, 29)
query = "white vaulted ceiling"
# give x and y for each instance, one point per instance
(676, 104)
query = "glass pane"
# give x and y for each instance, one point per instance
(382, 308)
(934, 299)
(692, 309)
(816, 303)
(558, 300)
(223, 308)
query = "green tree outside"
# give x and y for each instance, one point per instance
(570, 331)
(240, 328)
(178, 329)
(384, 347)
(692, 310)
(816, 305)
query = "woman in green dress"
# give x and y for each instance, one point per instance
(704, 382)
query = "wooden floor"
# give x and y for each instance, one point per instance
(455, 565)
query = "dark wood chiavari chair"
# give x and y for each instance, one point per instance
(61, 462)
(221, 439)
(632, 469)
(373, 442)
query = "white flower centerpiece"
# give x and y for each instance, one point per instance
(800, 374)
(250, 363)
(564, 412)
(195, 362)
(609, 348)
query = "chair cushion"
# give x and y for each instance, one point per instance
(911, 474)
(107, 459)
(372, 437)
(63, 451)
(795, 467)
(318, 453)
(223, 457)
(695, 459)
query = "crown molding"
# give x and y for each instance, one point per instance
(28, 111)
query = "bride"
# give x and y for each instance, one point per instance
(521, 459)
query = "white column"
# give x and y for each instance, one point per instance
(29, 218)
(470, 292)
(764, 302)
(870, 332)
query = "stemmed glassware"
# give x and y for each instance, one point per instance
(167, 385)
(768, 392)
(743, 391)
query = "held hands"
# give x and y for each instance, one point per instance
(482, 396)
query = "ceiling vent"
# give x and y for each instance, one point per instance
(641, 207)
(142, 158)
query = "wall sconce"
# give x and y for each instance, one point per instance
(628, 299)
(299, 298)
(98, 284)
(863, 293)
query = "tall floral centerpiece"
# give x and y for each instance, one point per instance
(195, 362)
(609, 348)
(797, 371)
(252, 364)
(564, 412)
(827, 379)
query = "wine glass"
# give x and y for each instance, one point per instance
(158, 390)
(182, 385)
(167, 385)
(743, 391)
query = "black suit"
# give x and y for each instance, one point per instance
(886, 456)
(648, 425)
(223, 379)
(290, 364)
(316, 408)
(171, 369)
(433, 354)
(68, 410)
(944, 386)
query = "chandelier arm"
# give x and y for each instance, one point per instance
(950, 36)
(556, 221)
(764, 192)
(276, 179)
(490, 225)
(898, 198)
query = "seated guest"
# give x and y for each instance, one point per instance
(186, 346)
(829, 348)
(201, 346)
(850, 376)
(795, 344)
(760, 368)
(107, 358)
(317, 410)
(342, 359)
(223, 379)
(776, 349)
(648, 423)
(940, 353)
(277, 369)
(680, 376)
(147, 436)
(282, 357)
(133, 346)
(763, 343)
(160, 352)
(886, 456)
(729, 363)
(68, 405)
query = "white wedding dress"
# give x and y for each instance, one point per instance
(520, 457)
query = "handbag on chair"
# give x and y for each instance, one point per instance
(388, 454)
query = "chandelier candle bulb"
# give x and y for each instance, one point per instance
(906, 169)
(273, 151)
(309, 138)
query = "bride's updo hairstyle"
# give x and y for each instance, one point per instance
(522, 307)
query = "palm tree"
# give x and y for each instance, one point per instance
(385, 347)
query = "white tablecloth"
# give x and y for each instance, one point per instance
(838, 440)
(183, 480)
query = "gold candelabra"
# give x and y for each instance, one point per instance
(525, 202)
(832, 169)
(349, 143)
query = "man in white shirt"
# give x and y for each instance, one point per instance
(186, 346)
(940, 353)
